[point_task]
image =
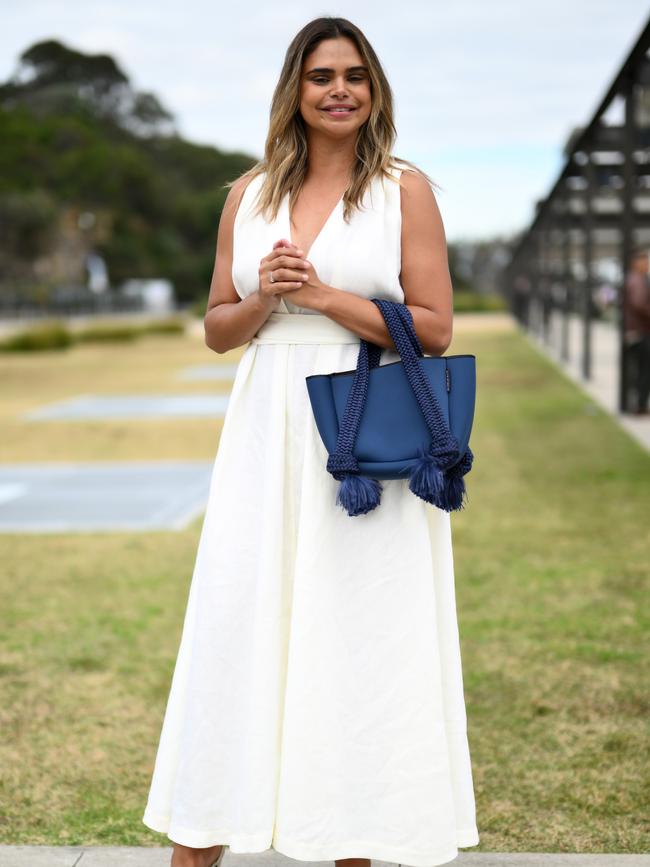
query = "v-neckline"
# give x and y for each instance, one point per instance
(323, 228)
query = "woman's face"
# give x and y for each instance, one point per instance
(332, 74)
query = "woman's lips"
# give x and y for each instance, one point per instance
(339, 113)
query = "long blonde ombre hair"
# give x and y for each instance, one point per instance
(285, 150)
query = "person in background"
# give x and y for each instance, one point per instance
(636, 313)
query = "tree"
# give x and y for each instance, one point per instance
(53, 77)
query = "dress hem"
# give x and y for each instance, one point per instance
(256, 843)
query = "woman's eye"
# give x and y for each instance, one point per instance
(322, 78)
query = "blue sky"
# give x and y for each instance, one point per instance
(486, 93)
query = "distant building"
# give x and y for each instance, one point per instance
(157, 295)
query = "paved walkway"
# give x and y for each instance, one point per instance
(133, 856)
(604, 383)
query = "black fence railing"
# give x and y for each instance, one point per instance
(582, 241)
(66, 302)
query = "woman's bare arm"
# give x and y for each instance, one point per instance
(230, 321)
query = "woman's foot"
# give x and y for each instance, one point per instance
(186, 856)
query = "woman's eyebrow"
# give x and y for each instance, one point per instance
(327, 69)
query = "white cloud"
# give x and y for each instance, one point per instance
(485, 81)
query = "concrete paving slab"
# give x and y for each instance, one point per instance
(548, 859)
(132, 856)
(107, 496)
(40, 856)
(140, 406)
(208, 372)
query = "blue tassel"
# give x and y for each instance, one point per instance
(451, 496)
(426, 479)
(358, 494)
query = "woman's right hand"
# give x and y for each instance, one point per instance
(285, 265)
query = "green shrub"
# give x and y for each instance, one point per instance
(166, 326)
(120, 333)
(477, 302)
(56, 336)
(109, 333)
(41, 337)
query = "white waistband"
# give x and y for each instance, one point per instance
(303, 328)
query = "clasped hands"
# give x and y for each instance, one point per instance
(293, 276)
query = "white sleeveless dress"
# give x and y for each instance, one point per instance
(316, 705)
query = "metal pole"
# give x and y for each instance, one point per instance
(590, 192)
(627, 229)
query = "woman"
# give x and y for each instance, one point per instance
(317, 701)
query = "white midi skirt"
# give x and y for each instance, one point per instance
(316, 706)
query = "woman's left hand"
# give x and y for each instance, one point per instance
(309, 294)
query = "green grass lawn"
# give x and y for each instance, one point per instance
(552, 569)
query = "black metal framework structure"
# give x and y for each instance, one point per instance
(598, 208)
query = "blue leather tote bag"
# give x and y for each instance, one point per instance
(409, 419)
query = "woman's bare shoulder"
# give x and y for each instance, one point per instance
(415, 182)
(235, 195)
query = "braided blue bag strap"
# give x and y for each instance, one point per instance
(400, 324)
(444, 447)
(358, 494)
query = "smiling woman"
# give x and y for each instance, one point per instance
(357, 76)
(317, 705)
